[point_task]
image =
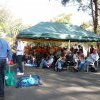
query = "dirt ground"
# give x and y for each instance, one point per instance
(64, 85)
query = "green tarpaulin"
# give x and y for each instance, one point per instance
(57, 31)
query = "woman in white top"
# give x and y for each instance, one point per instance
(91, 59)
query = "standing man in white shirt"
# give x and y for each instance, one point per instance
(20, 53)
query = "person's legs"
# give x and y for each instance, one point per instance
(59, 64)
(2, 69)
(41, 63)
(81, 66)
(19, 62)
(86, 65)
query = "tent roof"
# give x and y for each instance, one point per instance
(57, 31)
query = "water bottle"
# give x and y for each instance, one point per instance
(31, 80)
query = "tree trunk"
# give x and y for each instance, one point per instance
(95, 14)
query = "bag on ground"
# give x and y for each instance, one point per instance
(10, 79)
(26, 81)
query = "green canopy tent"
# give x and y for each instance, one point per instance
(55, 31)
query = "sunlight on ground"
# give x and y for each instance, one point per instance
(97, 73)
(43, 91)
(78, 89)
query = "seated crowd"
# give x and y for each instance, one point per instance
(77, 58)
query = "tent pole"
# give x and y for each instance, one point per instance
(69, 45)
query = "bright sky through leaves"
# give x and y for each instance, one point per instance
(35, 11)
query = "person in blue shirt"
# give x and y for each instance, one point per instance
(5, 57)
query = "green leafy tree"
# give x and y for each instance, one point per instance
(9, 25)
(15, 26)
(93, 6)
(86, 25)
(62, 18)
(4, 16)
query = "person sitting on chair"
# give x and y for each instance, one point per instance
(46, 61)
(60, 63)
(91, 59)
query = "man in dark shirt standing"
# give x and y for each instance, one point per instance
(5, 53)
